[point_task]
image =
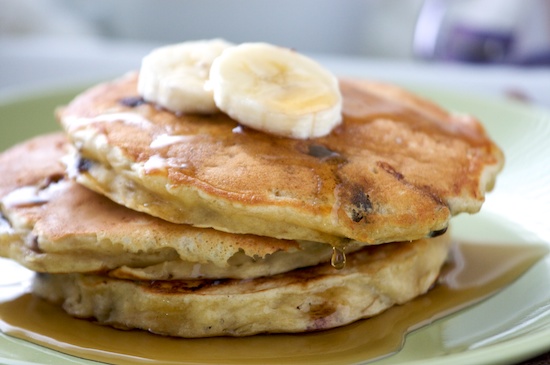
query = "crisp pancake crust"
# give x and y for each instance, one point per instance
(397, 168)
(52, 224)
(302, 300)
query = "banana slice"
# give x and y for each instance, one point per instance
(276, 90)
(175, 76)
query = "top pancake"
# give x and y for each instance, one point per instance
(397, 168)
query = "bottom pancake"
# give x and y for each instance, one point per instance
(302, 300)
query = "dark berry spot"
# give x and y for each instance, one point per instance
(132, 101)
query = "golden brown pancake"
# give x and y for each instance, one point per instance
(310, 299)
(51, 224)
(397, 168)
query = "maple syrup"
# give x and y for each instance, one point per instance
(475, 272)
(338, 258)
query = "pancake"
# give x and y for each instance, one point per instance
(310, 299)
(52, 224)
(397, 168)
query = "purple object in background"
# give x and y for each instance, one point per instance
(484, 31)
(477, 45)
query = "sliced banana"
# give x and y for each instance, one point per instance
(175, 76)
(276, 90)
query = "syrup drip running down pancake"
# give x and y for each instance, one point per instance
(397, 168)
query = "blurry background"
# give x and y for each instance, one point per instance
(361, 27)
(470, 41)
(472, 30)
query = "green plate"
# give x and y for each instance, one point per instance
(509, 327)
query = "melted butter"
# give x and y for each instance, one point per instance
(32, 195)
(159, 163)
(25, 196)
(155, 162)
(238, 129)
(74, 123)
(476, 272)
(165, 140)
(5, 226)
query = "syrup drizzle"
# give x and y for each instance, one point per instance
(338, 259)
(476, 272)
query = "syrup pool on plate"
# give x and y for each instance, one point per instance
(475, 272)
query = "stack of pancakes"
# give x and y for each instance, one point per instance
(193, 225)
